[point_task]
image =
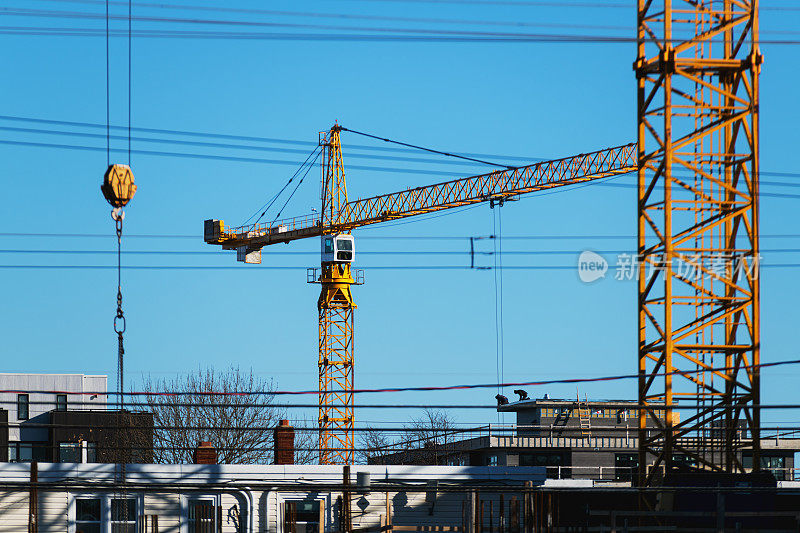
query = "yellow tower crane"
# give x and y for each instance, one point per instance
(339, 216)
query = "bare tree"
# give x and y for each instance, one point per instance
(306, 443)
(425, 440)
(186, 411)
(374, 444)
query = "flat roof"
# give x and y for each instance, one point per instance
(542, 402)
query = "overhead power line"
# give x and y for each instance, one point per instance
(544, 3)
(389, 36)
(431, 150)
(245, 138)
(253, 268)
(348, 16)
(206, 144)
(272, 23)
(418, 237)
(265, 140)
(361, 252)
(239, 159)
(437, 388)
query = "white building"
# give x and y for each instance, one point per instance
(28, 398)
(87, 498)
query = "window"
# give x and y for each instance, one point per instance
(22, 407)
(328, 245)
(87, 515)
(541, 459)
(682, 460)
(25, 452)
(91, 452)
(202, 516)
(625, 466)
(774, 464)
(457, 460)
(552, 460)
(302, 516)
(61, 402)
(123, 516)
(105, 514)
(69, 452)
(491, 460)
(72, 452)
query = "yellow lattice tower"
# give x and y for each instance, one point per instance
(335, 307)
(697, 69)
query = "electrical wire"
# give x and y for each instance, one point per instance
(405, 19)
(214, 157)
(603, 183)
(256, 268)
(401, 31)
(205, 144)
(267, 140)
(350, 16)
(382, 237)
(431, 150)
(385, 36)
(224, 253)
(49, 13)
(544, 3)
(439, 388)
(247, 138)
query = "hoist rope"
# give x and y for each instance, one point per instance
(431, 150)
(119, 317)
(130, 70)
(497, 253)
(108, 91)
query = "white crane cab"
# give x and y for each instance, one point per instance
(338, 248)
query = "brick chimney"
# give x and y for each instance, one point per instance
(205, 454)
(283, 437)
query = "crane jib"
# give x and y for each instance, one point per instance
(495, 185)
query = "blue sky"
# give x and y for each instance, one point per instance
(414, 327)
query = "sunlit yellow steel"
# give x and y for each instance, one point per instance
(335, 306)
(334, 187)
(336, 358)
(340, 217)
(118, 185)
(697, 70)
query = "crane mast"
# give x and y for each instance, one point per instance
(335, 306)
(697, 70)
(339, 216)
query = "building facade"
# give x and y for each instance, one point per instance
(572, 439)
(64, 418)
(82, 498)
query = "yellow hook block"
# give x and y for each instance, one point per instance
(118, 187)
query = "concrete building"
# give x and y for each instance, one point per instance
(64, 418)
(572, 439)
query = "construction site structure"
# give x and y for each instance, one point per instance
(697, 70)
(339, 216)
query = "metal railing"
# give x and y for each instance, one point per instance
(283, 225)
